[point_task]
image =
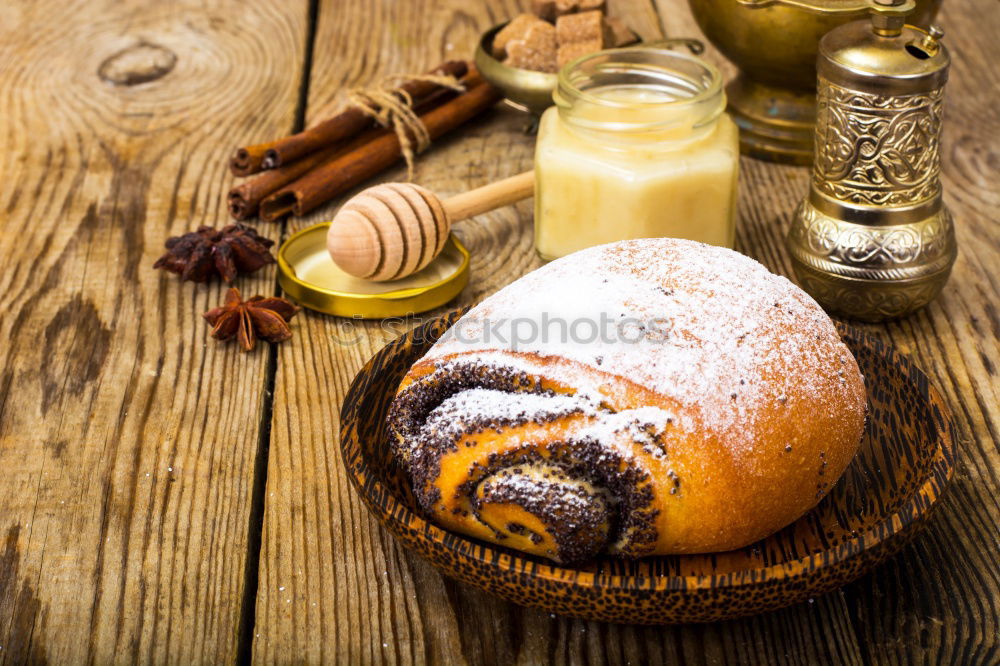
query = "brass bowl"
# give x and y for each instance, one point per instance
(532, 91)
(526, 89)
(774, 45)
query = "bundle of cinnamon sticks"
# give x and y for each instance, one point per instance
(305, 170)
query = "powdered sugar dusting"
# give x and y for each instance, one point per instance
(501, 406)
(533, 479)
(642, 425)
(703, 326)
(452, 417)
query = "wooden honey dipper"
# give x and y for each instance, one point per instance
(393, 230)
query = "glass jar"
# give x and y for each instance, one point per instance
(638, 145)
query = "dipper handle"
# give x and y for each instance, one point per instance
(488, 197)
(393, 230)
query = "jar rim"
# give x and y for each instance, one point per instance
(709, 89)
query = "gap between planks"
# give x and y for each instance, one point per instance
(255, 526)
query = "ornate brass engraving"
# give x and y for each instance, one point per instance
(872, 303)
(879, 252)
(877, 150)
(873, 240)
(871, 272)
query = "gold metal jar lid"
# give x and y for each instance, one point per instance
(308, 275)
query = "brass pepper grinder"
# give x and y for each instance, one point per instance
(873, 240)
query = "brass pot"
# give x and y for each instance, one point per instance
(774, 45)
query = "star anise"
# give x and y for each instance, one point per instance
(259, 317)
(202, 254)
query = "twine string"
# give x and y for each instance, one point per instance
(390, 106)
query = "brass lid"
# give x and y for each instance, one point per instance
(894, 60)
(308, 275)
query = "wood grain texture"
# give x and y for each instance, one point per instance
(127, 438)
(335, 586)
(117, 119)
(316, 602)
(939, 600)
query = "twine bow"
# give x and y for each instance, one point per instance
(389, 106)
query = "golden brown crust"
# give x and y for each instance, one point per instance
(676, 477)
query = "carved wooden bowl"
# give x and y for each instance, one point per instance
(884, 497)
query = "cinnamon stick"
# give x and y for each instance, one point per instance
(248, 160)
(345, 170)
(244, 199)
(346, 124)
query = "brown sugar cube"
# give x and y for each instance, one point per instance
(564, 7)
(621, 34)
(537, 50)
(573, 50)
(516, 29)
(586, 27)
(544, 9)
(590, 5)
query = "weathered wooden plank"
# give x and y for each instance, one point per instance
(939, 600)
(127, 438)
(333, 584)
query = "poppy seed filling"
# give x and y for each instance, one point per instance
(589, 497)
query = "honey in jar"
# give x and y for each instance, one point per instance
(638, 145)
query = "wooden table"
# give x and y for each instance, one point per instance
(166, 498)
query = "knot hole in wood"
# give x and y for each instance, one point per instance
(140, 63)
